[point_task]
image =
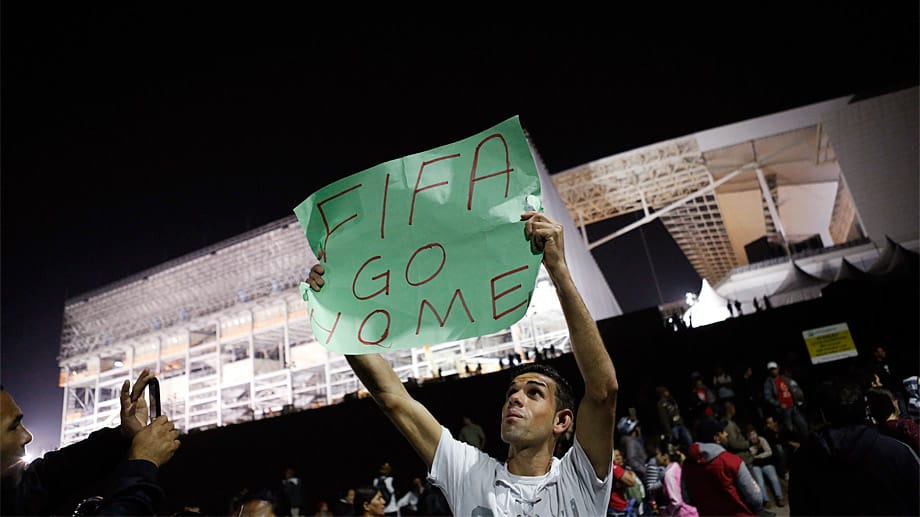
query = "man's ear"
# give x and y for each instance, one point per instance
(564, 420)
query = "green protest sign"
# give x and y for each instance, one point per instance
(427, 248)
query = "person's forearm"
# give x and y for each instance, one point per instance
(590, 353)
(377, 376)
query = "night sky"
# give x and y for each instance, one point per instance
(135, 136)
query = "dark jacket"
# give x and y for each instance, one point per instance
(136, 491)
(57, 482)
(772, 398)
(668, 414)
(717, 482)
(858, 470)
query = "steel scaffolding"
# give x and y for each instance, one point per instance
(228, 334)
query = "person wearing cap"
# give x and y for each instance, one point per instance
(717, 481)
(783, 396)
(631, 445)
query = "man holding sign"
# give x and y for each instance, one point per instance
(538, 409)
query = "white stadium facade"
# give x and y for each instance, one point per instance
(770, 207)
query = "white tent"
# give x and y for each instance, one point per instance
(710, 307)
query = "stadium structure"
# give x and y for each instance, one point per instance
(228, 334)
(753, 206)
(769, 207)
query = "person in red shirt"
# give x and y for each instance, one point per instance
(622, 480)
(784, 396)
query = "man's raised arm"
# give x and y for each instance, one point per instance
(412, 419)
(596, 412)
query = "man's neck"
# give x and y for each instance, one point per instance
(530, 461)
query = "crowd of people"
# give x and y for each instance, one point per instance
(747, 445)
(725, 448)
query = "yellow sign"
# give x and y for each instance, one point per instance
(829, 343)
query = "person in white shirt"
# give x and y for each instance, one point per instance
(539, 408)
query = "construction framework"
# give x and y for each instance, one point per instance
(686, 183)
(228, 333)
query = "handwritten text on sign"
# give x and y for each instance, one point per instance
(427, 248)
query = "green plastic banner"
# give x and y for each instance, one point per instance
(425, 249)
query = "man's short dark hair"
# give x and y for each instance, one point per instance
(707, 428)
(880, 403)
(565, 396)
(258, 494)
(841, 401)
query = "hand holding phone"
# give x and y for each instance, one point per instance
(153, 386)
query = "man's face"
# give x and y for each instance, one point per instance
(774, 372)
(771, 424)
(529, 411)
(880, 353)
(13, 435)
(617, 457)
(376, 505)
(721, 437)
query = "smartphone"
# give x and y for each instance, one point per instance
(154, 387)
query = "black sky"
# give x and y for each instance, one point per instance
(133, 136)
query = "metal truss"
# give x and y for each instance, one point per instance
(650, 177)
(249, 267)
(678, 183)
(228, 335)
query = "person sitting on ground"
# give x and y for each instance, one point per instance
(737, 442)
(60, 480)
(783, 442)
(654, 473)
(539, 407)
(671, 459)
(717, 481)
(762, 466)
(623, 480)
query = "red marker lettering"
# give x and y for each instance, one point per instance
(319, 206)
(385, 289)
(474, 178)
(419, 180)
(441, 322)
(502, 294)
(440, 267)
(338, 316)
(386, 331)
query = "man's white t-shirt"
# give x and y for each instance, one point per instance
(477, 485)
